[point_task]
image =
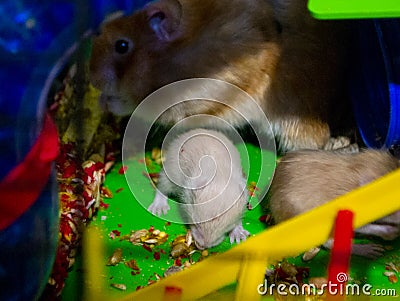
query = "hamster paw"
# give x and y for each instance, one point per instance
(335, 143)
(238, 234)
(159, 205)
(351, 149)
(370, 251)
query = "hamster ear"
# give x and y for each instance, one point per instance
(164, 17)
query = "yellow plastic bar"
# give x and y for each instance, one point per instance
(252, 271)
(93, 254)
(198, 281)
(246, 262)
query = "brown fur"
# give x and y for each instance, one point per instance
(304, 180)
(291, 64)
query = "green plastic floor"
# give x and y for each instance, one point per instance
(122, 214)
(354, 9)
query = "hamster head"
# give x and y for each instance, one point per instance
(170, 40)
(123, 55)
(213, 231)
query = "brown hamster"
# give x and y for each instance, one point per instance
(209, 182)
(304, 180)
(290, 63)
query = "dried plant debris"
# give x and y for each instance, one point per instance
(151, 237)
(115, 258)
(89, 137)
(172, 270)
(285, 272)
(310, 254)
(156, 156)
(119, 286)
(392, 271)
(133, 265)
(286, 275)
(182, 251)
(252, 188)
(182, 246)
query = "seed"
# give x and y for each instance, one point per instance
(310, 254)
(179, 239)
(155, 153)
(137, 236)
(162, 234)
(132, 264)
(288, 268)
(204, 253)
(179, 250)
(393, 279)
(388, 274)
(119, 286)
(151, 241)
(172, 270)
(115, 258)
(189, 238)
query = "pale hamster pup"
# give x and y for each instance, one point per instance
(293, 65)
(304, 180)
(203, 169)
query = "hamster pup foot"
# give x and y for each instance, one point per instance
(159, 205)
(370, 251)
(341, 144)
(238, 234)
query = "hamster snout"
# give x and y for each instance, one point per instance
(203, 242)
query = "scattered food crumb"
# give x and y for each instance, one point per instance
(172, 270)
(178, 262)
(104, 205)
(119, 286)
(204, 253)
(157, 255)
(123, 169)
(115, 258)
(265, 219)
(147, 248)
(310, 254)
(106, 192)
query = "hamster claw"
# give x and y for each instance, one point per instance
(238, 234)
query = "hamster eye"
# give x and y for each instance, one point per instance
(122, 46)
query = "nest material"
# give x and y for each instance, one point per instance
(89, 138)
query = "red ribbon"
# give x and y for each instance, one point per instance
(24, 184)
